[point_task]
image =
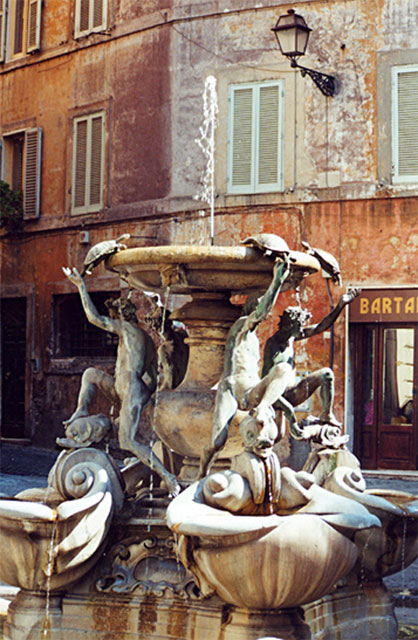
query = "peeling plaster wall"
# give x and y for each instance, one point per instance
(333, 143)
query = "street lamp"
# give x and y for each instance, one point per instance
(292, 34)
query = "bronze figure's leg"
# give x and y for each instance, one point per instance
(322, 379)
(226, 407)
(135, 398)
(91, 380)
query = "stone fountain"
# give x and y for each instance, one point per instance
(254, 548)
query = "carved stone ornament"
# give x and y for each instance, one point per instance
(149, 567)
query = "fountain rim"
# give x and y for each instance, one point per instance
(201, 254)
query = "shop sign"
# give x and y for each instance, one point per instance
(385, 305)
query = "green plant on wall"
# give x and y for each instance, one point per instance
(11, 206)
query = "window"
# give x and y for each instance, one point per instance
(23, 33)
(90, 17)
(88, 161)
(405, 123)
(21, 167)
(255, 137)
(2, 29)
(75, 335)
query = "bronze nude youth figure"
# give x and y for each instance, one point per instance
(279, 354)
(240, 386)
(136, 357)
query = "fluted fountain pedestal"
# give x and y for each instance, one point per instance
(210, 275)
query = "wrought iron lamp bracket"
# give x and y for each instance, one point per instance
(326, 84)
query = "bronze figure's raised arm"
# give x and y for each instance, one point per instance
(240, 386)
(279, 355)
(136, 357)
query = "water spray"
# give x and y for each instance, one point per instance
(206, 142)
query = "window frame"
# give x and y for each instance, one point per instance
(395, 73)
(68, 344)
(3, 22)
(31, 29)
(31, 167)
(80, 33)
(87, 207)
(254, 186)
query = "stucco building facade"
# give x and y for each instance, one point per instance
(101, 103)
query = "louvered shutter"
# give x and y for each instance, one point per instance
(96, 160)
(18, 26)
(268, 155)
(241, 138)
(34, 25)
(1, 160)
(88, 163)
(2, 30)
(99, 15)
(91, 15)
(255, 138)
(32, 176)
(80, 164)
(82, 17)
(406, 134)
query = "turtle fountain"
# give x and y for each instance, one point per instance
(250, 548)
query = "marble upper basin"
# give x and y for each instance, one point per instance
(189, 269)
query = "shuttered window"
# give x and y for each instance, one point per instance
(255, 137)
(90, 17)
(88, 161)
(32, 176)
(21, 167)
(405, 123)
(33, 39)
(24, 29)
(2, 30)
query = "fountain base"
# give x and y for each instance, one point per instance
(347, 614)
(141, 590)
(361, 611)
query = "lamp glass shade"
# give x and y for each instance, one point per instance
(292, 34)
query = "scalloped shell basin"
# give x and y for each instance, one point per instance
(187, 269)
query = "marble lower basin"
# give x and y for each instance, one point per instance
(268, 562)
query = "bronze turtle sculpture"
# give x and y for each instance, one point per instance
(101, 251)
(327, 261)
(270, 244)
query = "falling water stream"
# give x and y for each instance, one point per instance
(46, 624)
(206, 142)
(156, 401)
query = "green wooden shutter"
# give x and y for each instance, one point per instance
(82, 17)
(406, 163)
(88, 163)
(96, 161)
(80, 163)
(91, 15)
(255, 138)
(32, 176)
(268, 155)
(2, 30)
(1, 159)
(99, 15)
(241, 138)
(18, 26)
(34, 25)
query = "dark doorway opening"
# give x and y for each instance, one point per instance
(13, 367)
(385, 400)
